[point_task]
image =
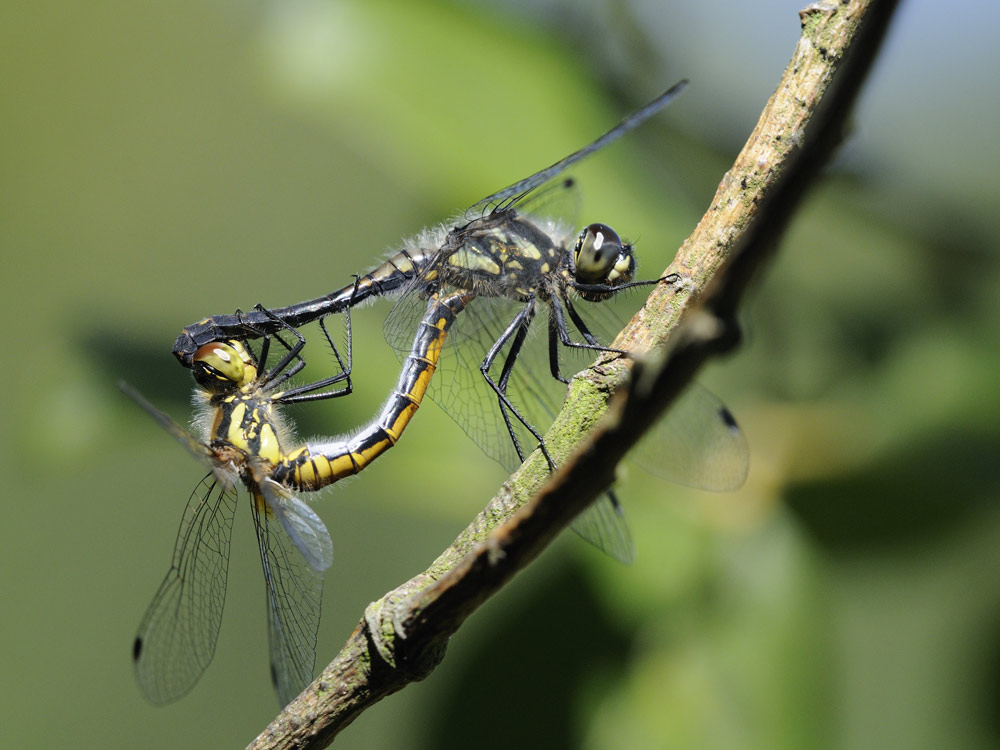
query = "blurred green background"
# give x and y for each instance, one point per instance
(165, 162)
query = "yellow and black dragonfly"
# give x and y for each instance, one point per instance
(244, 441)
(500, 384)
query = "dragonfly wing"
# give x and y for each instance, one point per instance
(185, 438)
(178, 633)
(461, 390)
(696, 444)
(403, 320)
(512, 194)
(603, 524)
(306, 529)
(294, 589)
(554, 207)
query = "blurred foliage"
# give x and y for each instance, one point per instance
(162, 163)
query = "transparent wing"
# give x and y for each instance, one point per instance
(306, 529)
(511, 195)
(464, 393)
(178, 633)
(697, 444)
(604, 525)
(185, 438)
(556, 202)
(403, 321)
(294, 599)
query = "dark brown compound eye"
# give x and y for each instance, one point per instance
(218, 367)
(598, 251)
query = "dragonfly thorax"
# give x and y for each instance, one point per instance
(248, 429)
(500, 256)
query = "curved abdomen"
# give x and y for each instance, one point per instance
(316, 465)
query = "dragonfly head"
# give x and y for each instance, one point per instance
(223, 367)
(601, 258)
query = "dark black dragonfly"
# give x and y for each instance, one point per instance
(414, 267)
(513, 262)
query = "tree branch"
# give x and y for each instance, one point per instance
(403, 636)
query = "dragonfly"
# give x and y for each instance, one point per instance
(245, 441)
(514, 262)
(593, 259)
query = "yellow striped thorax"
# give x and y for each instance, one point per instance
(506, 258)
(248, 423)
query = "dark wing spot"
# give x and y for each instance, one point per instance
(136, 648)
(615, 502)
(728, 419)
(274, 675)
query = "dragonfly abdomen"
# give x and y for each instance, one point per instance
(314, 466)
(385, 279)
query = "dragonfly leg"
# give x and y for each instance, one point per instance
(515, 333)
(250, 330)
(308, 392)
(281, 371)
(554, 354)
(559, 323)
(245, 326)
(609, 289)
(293, 362)
(311, 391)
(581, 326)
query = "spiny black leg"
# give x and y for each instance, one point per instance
(608, 289)
(517, 330)
(581, 326)
(554, 352)
(244, 324)
(260, 358)
(345, 370)
(508, 367)
(305, 392)
(558, 332)
(281, 371)
(559, 322)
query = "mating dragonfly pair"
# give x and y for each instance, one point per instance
(474, 289)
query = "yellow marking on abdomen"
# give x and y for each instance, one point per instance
(330, 464)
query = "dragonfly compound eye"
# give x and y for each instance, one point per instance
(218, 367)
(601, 258)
